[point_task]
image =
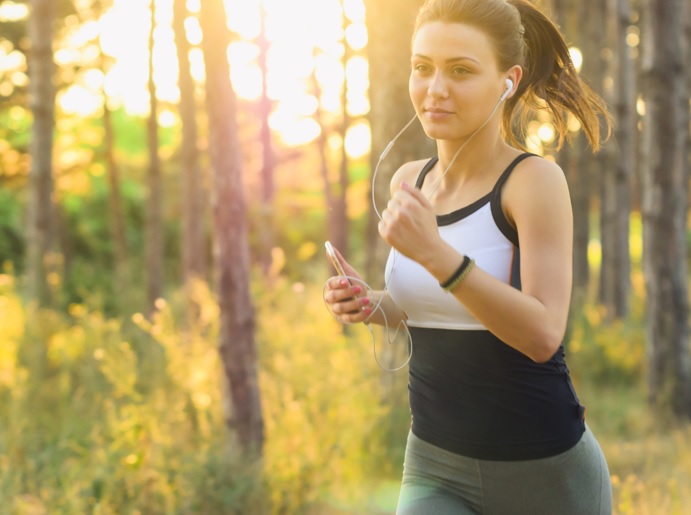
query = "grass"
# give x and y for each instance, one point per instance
(108, 416)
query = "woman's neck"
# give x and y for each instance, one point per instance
(473, 160)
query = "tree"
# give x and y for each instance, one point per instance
(664, 207)
(154, 218)
(42, 102)
(615, 205)
(265, 106)
(231, 250)
(193, 255)
(571, 156)
(390, 26)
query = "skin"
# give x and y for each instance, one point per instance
(455, 84)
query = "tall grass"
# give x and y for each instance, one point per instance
(110, 416)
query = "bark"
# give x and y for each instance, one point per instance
(390, 26)
(193, 246)
(154, 219)
(615, 206)
(339, 237)
(42, 103)
(237, 334)
(117, 220)
(664, 205)
(268, 156)
(572, 158)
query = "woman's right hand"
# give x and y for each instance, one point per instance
(345, 296)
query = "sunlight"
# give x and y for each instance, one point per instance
(576, 58)
(358, 140)
(13, 11)
(301, 49)
(80, 101)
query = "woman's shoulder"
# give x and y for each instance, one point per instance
(535, 183)
(408, 172)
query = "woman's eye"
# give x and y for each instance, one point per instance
(458, 70)
(421, 68)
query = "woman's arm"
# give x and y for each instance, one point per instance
(533, 319)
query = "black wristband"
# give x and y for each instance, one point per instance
(459, 271)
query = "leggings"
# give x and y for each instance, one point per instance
(439, 482)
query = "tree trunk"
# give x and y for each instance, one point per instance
(664, 205)
(268, 157)
(193, 246)
(391, 109)
(615, 206)
(322, 144)
(154, 219)
(571, 157)
(237, 344)
(339, 237)
(42, 102)
(117, 221)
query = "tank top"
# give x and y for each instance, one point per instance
(470, 393)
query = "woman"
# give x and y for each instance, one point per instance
(480, 271)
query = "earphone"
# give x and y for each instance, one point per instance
(387, 149)
(509, 89)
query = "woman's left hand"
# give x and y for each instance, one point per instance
(409, 224)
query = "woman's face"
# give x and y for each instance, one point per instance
(455, 80)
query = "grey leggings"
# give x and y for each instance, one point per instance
(439, 482)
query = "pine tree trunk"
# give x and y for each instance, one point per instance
(117, 221)
(268, 156)
(237, 335)
(193, 246)
(571, 157)
(615, 206)
(664, 205)
(42, 103)
(391, 109)
(340, 225)
(154, 219)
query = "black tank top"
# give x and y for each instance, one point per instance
(474, 395)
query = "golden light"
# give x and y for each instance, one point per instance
(640, 106)
(358, 140)
(193, 31)
(354, 10)
(356, 36)
(13, 11)
(244, 18)
(576, 57)
(305, 38)
(79, 100)
(167, 118)
(546, 132)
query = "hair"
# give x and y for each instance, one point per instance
(523, 35)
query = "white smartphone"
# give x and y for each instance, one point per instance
(332, 257)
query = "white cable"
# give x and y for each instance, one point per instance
(395, 254)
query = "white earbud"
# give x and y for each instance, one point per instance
(509, 89)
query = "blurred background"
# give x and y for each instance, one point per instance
(169, 171)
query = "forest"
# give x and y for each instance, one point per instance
(169, 173)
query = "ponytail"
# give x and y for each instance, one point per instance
(550, 82)
(523, 35)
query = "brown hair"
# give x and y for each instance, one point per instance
(523, 35)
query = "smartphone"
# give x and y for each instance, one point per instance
(332, 257)
(337, 265)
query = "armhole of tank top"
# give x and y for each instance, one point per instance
(425, 170)
(495, 203)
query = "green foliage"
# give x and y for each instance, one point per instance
(90, 429)
(11, 237)
(322, 400)
(603, 350)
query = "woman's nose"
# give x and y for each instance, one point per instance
(437, 86)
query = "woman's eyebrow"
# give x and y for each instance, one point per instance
(450, 60)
